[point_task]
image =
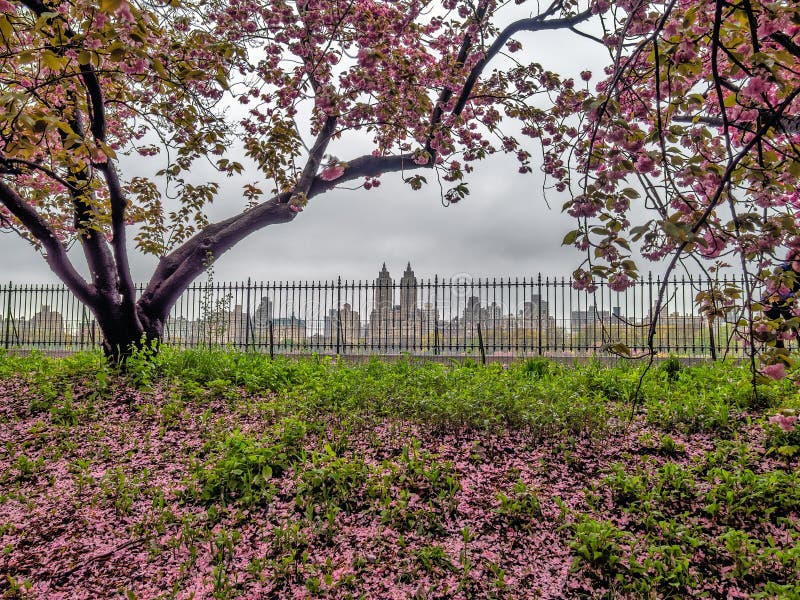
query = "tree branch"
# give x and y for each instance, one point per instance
(96, 104)
(55, 253)
(105, 273)
(35, 166)
(182, 266)
(95, 249)
(119, 203)
(787, 43)
(366, 166)
(447, 93)
(712, 203)
(34, 6)
(179, 268)
(315, 156)
(532, 24)
(788, 123)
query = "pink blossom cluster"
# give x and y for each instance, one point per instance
(786, 422)
(677, 118)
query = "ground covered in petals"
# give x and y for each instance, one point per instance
(225, 475)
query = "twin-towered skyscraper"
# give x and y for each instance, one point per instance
(390, 321)
(384, 292)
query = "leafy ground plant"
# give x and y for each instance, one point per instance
(230, 475)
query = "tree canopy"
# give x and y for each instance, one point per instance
(696, 118)
(85, 83)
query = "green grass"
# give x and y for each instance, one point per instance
(659, 492)
(541, 395)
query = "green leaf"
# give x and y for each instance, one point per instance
(26, 57)
(416, 181)
(676, 232)
(117, 54)
(110, 6)
(107, 150)
(570, 238)
(6, 28)
(158, 67)
(51, 60)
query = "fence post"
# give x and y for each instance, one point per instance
(271, 340)
(84, 324)
(539, 310)
(435, 315)
(650, 301)
(338, 314)
(8, 315)
(480, 344)
(247, 320)
(712, 343)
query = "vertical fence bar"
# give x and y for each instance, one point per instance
(435, 315)
(480, 344)
(539, 349)
(338, 315)
(247, 318)
(271, 341)
(9, 297)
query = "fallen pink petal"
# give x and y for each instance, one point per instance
(245, 477)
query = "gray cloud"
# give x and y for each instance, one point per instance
(502, 228)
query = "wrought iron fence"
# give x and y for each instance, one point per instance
(440, 316)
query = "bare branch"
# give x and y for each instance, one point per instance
(119, 203)
(529, 25)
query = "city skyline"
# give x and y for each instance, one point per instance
(384, 313)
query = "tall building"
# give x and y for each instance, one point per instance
(429, 317)
(592, 316)
(394, 325)
(535, 309)
(408, 294)
(384, 292)
(472, 310)
(289, 331)
(263, 313)
(47, 325)
(343, 325)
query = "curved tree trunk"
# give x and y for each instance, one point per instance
(125, 330)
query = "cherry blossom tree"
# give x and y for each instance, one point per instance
(435, 86)
(697, 120)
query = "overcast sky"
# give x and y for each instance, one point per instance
(503, 228)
